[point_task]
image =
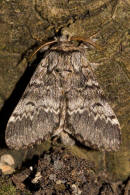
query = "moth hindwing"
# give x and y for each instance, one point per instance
(64, 96)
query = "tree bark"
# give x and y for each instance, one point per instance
(24, 23)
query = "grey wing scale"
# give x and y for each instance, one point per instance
(90, 119)
(37, 113)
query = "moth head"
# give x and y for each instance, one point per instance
(65, 43)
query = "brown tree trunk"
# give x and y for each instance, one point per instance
(23, 23)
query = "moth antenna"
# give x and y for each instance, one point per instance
(78, 38)
(41, 46)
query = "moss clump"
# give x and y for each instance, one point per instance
(6, 187)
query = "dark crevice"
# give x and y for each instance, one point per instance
(105, 187)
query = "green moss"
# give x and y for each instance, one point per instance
(60, 187)
(7, 188)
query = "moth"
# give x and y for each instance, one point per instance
(63, 95)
